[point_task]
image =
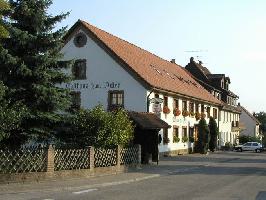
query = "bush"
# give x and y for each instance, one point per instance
(176, 139)
(246, 138)
(184, 139)
(97, 128)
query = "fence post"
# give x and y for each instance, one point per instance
(118, 157)
(92, 152)
(139, 154)
(50, 159)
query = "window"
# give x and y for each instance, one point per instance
(202, 108)
(165, 101)
(197, 107)
(79, 69)
(208, 112)
(165, 136)
(116, 99)
(184, 105)
(176, 103)
(76, 100)
(175, 134)
(184, 131)
(80, 40)
(191, 132)
(215, 113)
(191, 107)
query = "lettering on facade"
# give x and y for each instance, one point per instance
(92, 85)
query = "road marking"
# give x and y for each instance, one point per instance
(48, 199)
(85, 191)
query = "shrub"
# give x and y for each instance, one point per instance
(176, 139)
(98, 128)
(184, 139)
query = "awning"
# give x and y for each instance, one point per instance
(148, 120)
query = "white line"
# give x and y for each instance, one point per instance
(84, 191)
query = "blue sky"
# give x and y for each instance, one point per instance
(229, 36)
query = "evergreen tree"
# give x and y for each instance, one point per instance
(213, 134)
(4, 8)
(203, 137)
(30, 66)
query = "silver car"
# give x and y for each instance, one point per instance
(249, 146)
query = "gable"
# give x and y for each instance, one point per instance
(149, 69)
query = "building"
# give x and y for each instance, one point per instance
(218, 86)
(250, 123)
(115, 73)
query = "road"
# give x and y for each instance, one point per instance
(217, 176)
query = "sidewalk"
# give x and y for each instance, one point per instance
(167, 166)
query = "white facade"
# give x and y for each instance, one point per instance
(251, 125)
(228, 133)
(103, 74)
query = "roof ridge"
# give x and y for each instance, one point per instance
(252, 116)
(128, 42)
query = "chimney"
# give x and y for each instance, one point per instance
(200, 62)
(191, 60)
(173, 61)
(239, 104)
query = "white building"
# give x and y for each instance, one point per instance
(219, 86)
(115, 73)
(250, 123)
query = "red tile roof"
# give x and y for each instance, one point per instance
(153, 70)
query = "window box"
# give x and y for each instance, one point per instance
(184, 139)
(166, 110)
(197, 115)
(176, 112)
(185, 113)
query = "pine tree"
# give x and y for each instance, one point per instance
(203, 138)
(30, 66)
(4, 7)
(213, 133)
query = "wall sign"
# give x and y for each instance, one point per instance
(92, 85)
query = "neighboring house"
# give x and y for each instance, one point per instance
(250, 123)
(218, 86)
(115, 73)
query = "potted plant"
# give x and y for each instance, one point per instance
(176, 139)
(185, 113)
(166, 110)
(191, 139)
(192, 114)
(197, 115)
(184, 139)
(176, 112)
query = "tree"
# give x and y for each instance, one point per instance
(213, 134)
(97, 128)
(261, 116)
(4, 7)
(10, 119)
(30, 66)
(204, 136)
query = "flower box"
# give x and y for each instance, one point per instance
(176, 112)
(166, 110)
(185, 113)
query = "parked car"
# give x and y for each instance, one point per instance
(249, 146)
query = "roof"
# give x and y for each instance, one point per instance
(150, 69)
(148, 120)
(249, 114)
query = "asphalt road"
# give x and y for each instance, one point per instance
(218, 176)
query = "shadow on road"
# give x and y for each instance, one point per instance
(261, 196)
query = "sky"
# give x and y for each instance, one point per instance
(228, 36)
